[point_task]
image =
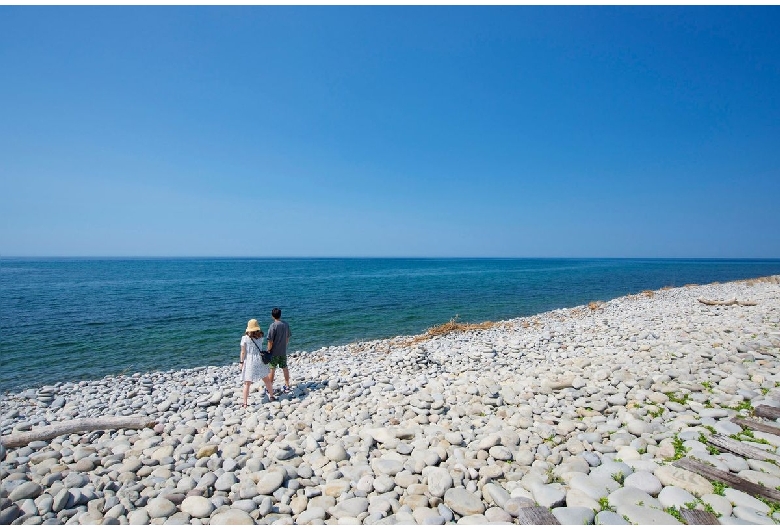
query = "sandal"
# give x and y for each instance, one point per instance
(270, 397)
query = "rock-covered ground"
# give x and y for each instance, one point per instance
(578, 410)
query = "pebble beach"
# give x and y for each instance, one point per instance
(581, 411)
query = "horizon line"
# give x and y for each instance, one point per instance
(150, 257)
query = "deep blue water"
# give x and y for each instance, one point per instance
(75, 319)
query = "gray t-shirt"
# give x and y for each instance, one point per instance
(278, 333)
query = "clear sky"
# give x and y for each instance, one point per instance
(390, 131)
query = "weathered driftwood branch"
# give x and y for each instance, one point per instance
(733, 301)
(49, 432)
(718, 302)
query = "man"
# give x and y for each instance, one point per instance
(278, 337)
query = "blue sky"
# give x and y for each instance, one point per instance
(508, 131)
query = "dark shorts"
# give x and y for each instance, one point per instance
(278, 362)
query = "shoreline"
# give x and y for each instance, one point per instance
(527, 409)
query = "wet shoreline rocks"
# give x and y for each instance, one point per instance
(578, 410)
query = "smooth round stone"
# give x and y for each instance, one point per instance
(549, 496)
(579, 499)
(365, 484)
(269, 482)
(499, 452)
(590, 437)
(383, 484)
(628, 496)
(739, 498)
(454, 438)
(84, 465)
(644, 515)
(439, 481)
(349, 508)
(609, 518)
(61, 499)
(160, 507)
(591, 458)
(247, 505)
(387, 466)
(690, 482)
(335, 488)
(131, 465)
(489, 441)
(285, 453)
(463, 502)
(225, 481)
(478, 519)
(676, 497)
(645, 481)
(26, 490)
(198, 507)
(336, 452)
(422, 513)
(232, 517)
(495, 494)
(310, 514)
(524, 457)
(714, 413)
(206, 450)
(752, 516)
(718, 503)
(727, 428)
(593, 486)
(497, 515)
(76, 480)
(572, 516)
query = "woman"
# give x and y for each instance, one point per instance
(251, 366)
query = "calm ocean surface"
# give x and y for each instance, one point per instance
(74, 319)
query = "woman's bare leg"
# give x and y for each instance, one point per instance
(247, 384)
(269, 386)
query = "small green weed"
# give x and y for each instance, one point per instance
(618, 477)
(719, 488)
(673, 397)
(679, 448)
(674, 512)
(657, 413)
(605, 506)
(742, 405)
(765, 391)
(774, 506)
(709, 509)
(707, 386)
(710, 448)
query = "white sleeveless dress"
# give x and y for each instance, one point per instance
(254, 369)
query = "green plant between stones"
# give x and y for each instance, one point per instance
(674, 512)
(604, 505)
(719, 488)
(679, 448)
(709, 509)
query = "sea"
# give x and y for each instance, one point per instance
(73, 319)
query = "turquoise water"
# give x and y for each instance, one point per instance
(75, 319)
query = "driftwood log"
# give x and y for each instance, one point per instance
(49, 432)
(733, 301)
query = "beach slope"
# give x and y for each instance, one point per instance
(581, 411)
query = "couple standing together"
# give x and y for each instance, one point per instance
(252, 367)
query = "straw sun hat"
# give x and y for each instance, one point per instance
(252, 325)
